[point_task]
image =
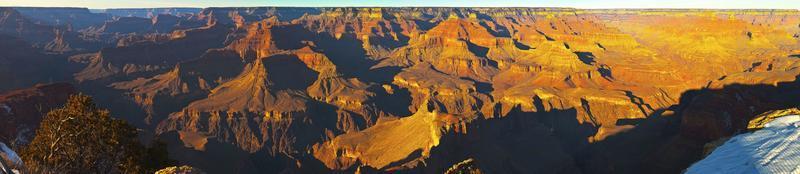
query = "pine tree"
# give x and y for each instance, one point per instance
(82, 138)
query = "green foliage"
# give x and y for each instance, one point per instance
(82, 138)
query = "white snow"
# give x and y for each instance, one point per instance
(6, 107)
(774, 149)
(9, 155)
(784, 121)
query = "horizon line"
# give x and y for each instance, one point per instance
(621, 8)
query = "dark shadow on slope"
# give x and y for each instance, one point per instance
(605, 71)
(644, 107)
(284, 143)
(212, 67)
(667, 141)
(22, 65)
(501, 31)
(346, 53)
(401, 37)
(424, 25)
(520, 142)
(413, 156)
(480, 87)
(477, 50)
(572, 134)
(521, 46)
(237, 160)
(629, 121)
(351, 60)
(586, 107)
(382, 75)
(141, 60)
(586, 57)
(193, 45)
(624, 152)
(307, 130)
(288, 72)
(483, 87)
(395, 103)
(600, 46)
(671, 139)
(117, 103)
(388, 41)
(548, 38)
(512, 19)
(289, 37)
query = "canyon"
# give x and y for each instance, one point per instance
(412, 89)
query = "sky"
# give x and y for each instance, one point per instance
(715, 4)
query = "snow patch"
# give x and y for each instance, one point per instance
(784, 121)
(6, 108)
(10, 156)
(774, 149)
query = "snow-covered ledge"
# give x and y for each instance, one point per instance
(774, 149)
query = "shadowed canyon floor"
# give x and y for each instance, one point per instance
(414, 90)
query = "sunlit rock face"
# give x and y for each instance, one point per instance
(514, 90)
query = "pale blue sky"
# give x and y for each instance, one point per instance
(774, 4)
